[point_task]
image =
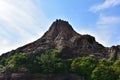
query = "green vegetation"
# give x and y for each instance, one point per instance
(104, 73)
(16, 62)
(84, 66)
(50, 62)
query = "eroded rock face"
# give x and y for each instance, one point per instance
(114, 52)
(62, 36)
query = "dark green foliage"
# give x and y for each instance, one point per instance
(104, 73)
(105, 62)
(60, 67)
(47, 60)
(17, 61)
(3, 61)
(1, 67)
(84, 66)
(116, 67)
(33, 65)
(50, 62)
(105, 70)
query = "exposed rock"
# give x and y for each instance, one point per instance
(114, 52)
(61, 36)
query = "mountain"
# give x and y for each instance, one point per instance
(63, 37)
(70, 65)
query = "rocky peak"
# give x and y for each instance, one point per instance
(62, 36)
(60, 28)
(61, 25)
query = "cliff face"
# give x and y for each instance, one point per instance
(114, 52)
(62, 36)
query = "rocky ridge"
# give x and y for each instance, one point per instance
(62, 36)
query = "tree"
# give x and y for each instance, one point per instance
(116, 67)
(105, 62)
(33, 64)
(48, 61)
(3, 61)
(17, 61)
(1, 67)
(104, 73)
(60, 67)
(84, 66)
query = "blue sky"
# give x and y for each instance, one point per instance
(24, 21)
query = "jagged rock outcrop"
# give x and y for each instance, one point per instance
(114, 52)
(62, 36)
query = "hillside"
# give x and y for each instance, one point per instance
(61, 54)
(62, 36)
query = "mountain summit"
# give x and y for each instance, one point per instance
(60, 28)
(63, 37)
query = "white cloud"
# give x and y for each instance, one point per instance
(20, 22)
(105, 20)
(108, 29)
(107, 26)
(106, 4)
(108, 22)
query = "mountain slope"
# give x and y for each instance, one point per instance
(63, 37)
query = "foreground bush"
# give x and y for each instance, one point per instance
(50, 62)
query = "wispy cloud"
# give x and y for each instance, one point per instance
(105, 20)
(107, 26)
(108, 29)
(106, 4)
(20, 22)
